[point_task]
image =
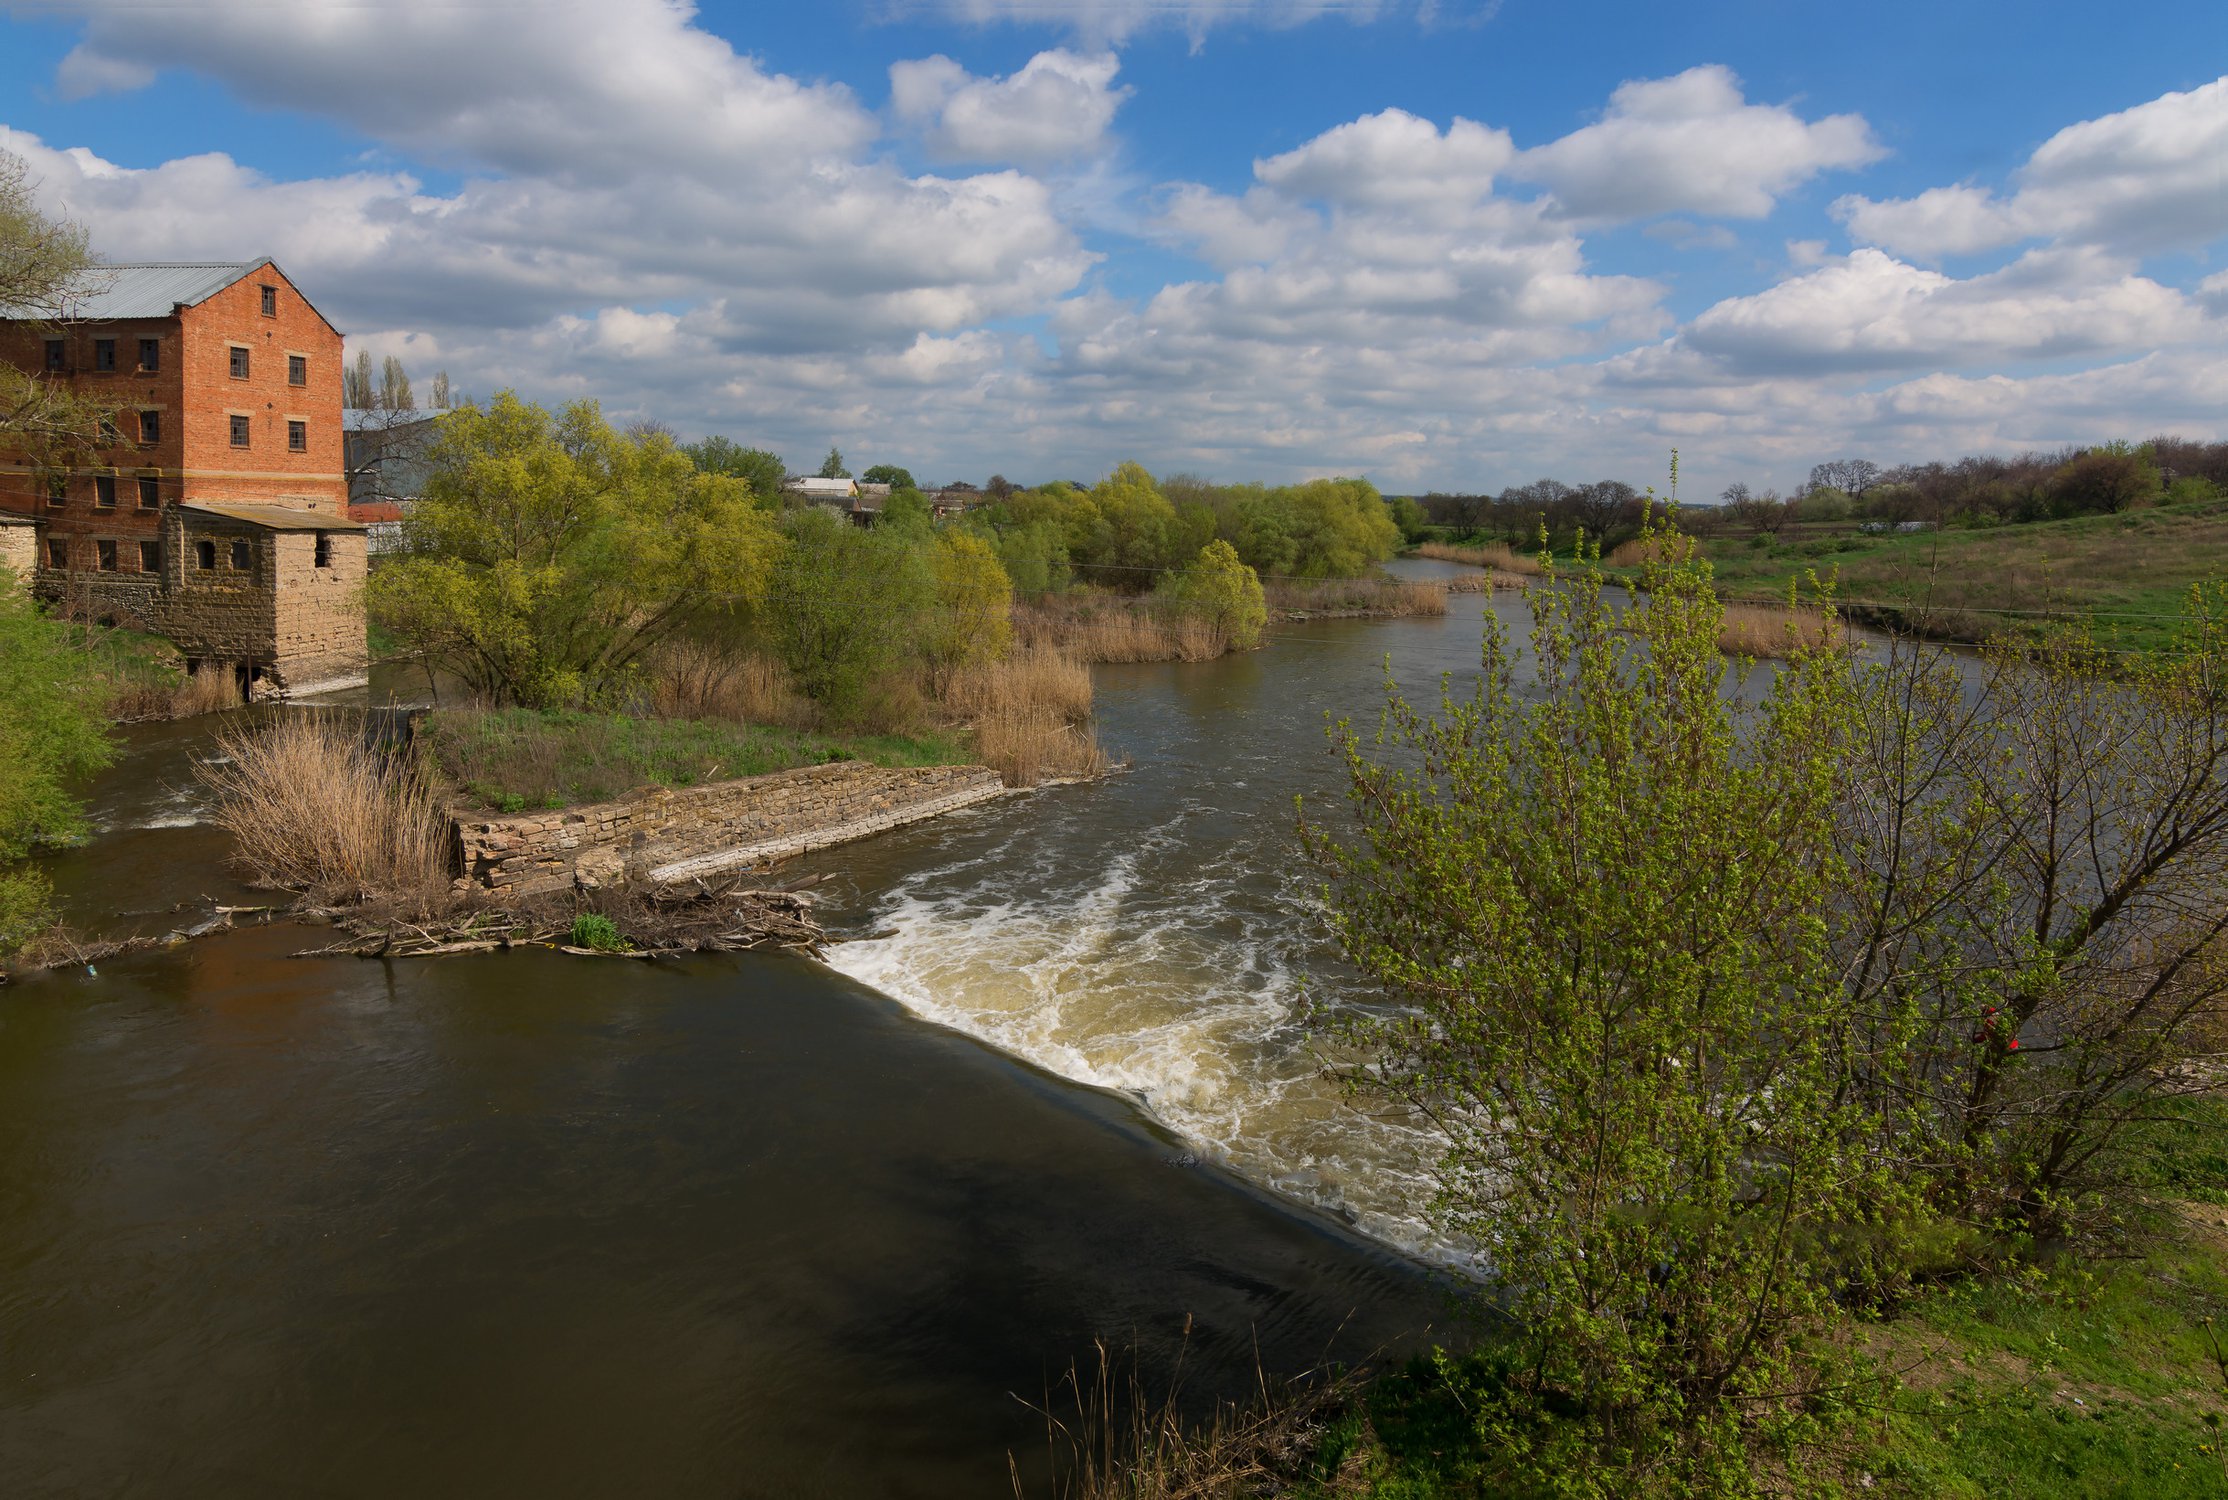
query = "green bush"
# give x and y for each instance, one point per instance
(589, 930)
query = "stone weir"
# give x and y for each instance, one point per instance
(661, 836)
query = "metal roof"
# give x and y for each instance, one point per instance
(150, 289)
(275, 517)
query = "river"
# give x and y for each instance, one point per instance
(745, 1226)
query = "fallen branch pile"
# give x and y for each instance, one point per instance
(698, 918)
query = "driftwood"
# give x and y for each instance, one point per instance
(698, 918)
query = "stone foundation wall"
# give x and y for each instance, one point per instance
(705, 831)
(19, 550)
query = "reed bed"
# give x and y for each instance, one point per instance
(312, 810)
(1643, 550)
(1097, 628)
(693, 680)
(1387, 597)
(1765, 631)
(1496, 555)
(1031, 716)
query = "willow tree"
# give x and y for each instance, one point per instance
(550, 552)
(43, 262)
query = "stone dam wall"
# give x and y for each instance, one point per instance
(661, 836)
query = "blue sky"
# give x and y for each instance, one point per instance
(1446, 244)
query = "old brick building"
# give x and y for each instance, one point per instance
(214, 511)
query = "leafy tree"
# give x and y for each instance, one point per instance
(1409, 517)
(845, 605)
(2111, 478)
(1035, 557)
(832, 467)
(53, 732)
(1596, 903)
(889, 474)
(971, 621)
(1136, 537)
(42, 261)
(549, 552)
(761, 470)
(908, 510)
(1220, 589)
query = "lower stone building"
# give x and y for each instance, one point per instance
(19, 547)
(268, 593)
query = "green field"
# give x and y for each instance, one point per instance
(2128, 573)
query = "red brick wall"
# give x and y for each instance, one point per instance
(131, 390)
(266, 471)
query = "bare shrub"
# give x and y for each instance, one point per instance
(312, 810)
(1774, 630)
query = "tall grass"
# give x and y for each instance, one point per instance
(1356, 596)
(312, 810)
(1100, 627)
(1774, 630)
(1497, 555)
(694, 680)
(1031, 716)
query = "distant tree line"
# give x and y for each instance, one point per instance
(1605, 510)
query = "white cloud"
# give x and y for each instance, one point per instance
(2147, 178)
(1691, 144)
(1109, 21)
(1059, 106)
(1392, 158)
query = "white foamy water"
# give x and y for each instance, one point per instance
(1170, 970)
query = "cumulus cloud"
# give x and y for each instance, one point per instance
(1059, 106)
(1392, 158)
(1691, 144)
(2147, 178)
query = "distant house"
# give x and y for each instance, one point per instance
(848, 496)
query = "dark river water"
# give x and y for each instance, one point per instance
(747, 1226)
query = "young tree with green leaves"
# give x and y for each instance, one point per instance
(550, 552)
(1223, 591)
(832, 467)
(53, 733)
(889, 474)
(42, 261)
(970, 623)
(845, 605)
(763, 471)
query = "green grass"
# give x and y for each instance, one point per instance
(514, 759)
(2128, 573)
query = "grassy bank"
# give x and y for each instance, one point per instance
(2128, 573)
(2082, 1376)
(515, 758)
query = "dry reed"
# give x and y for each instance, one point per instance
(1387, 597)
(692, 680)
(1642, 550)
(312, 810)
(1496, 555)
(1774, 630)
(1030, 714)
(1112, 1442)
(1094, 627)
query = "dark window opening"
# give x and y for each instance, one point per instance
(57, 492)
(150, 354)
(205, 554)
(150, 426)
(239, 432)
(57, 553)
(150, 492)
(105, 552)
(104, 491)
(104, 354)
(57, 354)
(324, 550)
(297, 437)
(110, 435)
(150, 557)
(297, 370)
(270, 302)
(239, 362)
(242, 558)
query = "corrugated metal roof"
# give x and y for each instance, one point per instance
(150, 289)
(275, 517)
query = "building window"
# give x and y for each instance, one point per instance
(57, 491)
(57, 552)
(150, 557)
(324, 550)
(239, 362)
(105, 552)
(242, 558)
(297, 369)
(150, 492)
(150, 355)
(239, 431)
(297, 437)
(150, 426)
(110, 434)
(104, 354)
(270, 302)
(205, 554)
(57, 354)
(104, 491)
